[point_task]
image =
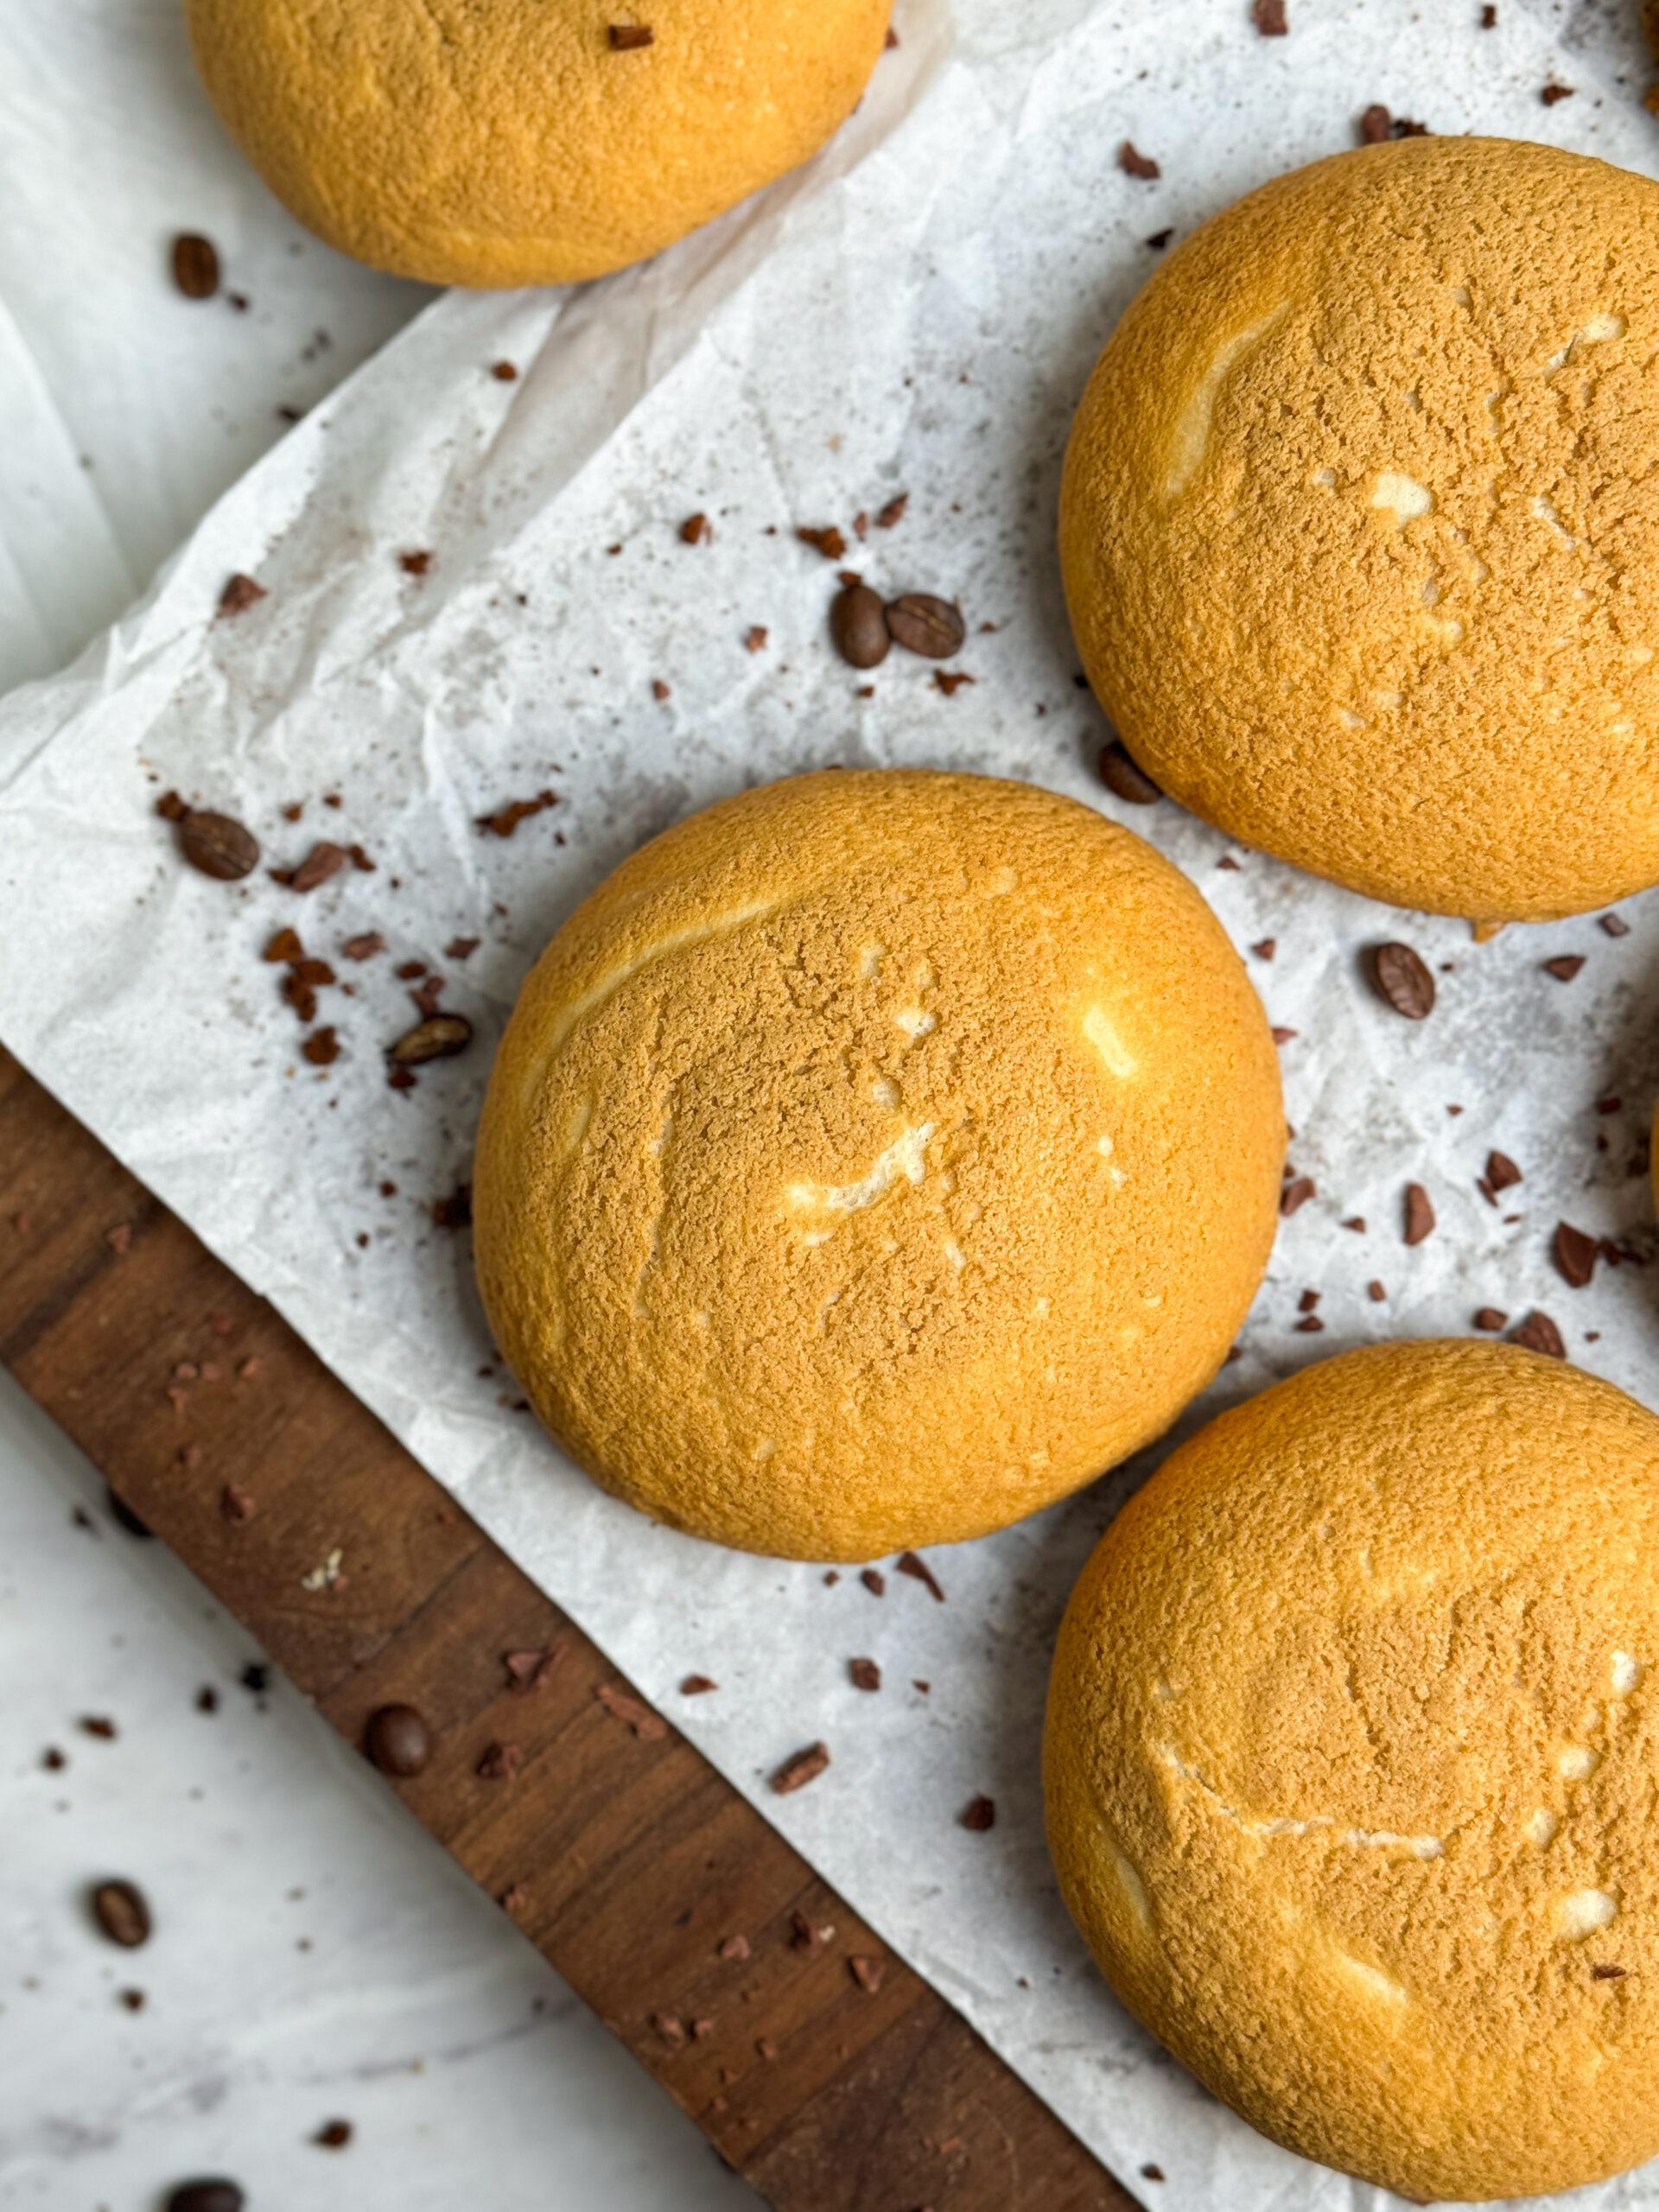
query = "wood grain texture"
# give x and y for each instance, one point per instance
(617, 1849)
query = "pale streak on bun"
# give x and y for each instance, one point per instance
(1351, 1764)
(506, 141)
(1360, 529)
(873, 1159)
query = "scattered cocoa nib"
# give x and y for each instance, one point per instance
(360, 858)
(1539, 1333)
(923, 623)
(215, 844)
(1574, 1254)
(440, 1037)
(1269, 18)
(951, 681)
(912, 1564)
(626, 38)
(500, 1763)
(321, 1047)
(456, 1210)
(1309, 1325)
(98, 1725)
(1492, 1319)
(235, 1505)
(1264, 948)
(505, 819)
(134, 1999)
(1488, 15)
(1376, 126)
(1123, 775)
(801, 1767)
(1151, 2173)
(284, 945)
(240, 593)
(361, 948)
(864, 1674)
(1401, 977)
(1160, 239)
(978, 1814)
(1281, 1035)
(755, 637)
(868, 1974)
(874, 1580)
(505, 371)
(650, 1727)
(333, 2135)
(1356, 1223)
(195, 265)
(697, 1685)
(461, 948)
(1604, 1970)
(1133, 162)
(416, 563)
(1376, 1291)
(893, 512)
(696, 530)
(123, 1913)
(827, 540)
(1418, 1213)
(1502, 1172)
(659, 690)
(1296, 1194)
(1565, 967)
(1552, 93)
(322, 862)
(1615, 924)
(858, 627)
(528, 1671)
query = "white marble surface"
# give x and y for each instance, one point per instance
(315, 1956)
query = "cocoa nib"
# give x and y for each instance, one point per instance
(1418, 1213)
(505, 819)
(828, 540)
(240, 593)
(1133, 162)
(1123, 775)
(1539, 1333)
(1574, 1254)
(801, 1767)
(440, 1037)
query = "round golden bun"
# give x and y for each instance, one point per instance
(874, 1158)
(1351, 1765)
(1360, 532)
(510, 141)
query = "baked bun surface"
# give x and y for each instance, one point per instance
(1360, 533)
(874, 1158)
(1352, 1766)
(509, 142)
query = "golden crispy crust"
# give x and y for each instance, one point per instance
(1351, 1761)
(874, 1158)
(1360, 531)
(505, 142)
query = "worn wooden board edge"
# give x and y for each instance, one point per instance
(620, 1853)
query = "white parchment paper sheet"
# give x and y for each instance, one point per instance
(916, 312)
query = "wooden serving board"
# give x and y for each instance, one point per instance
(620, 1852)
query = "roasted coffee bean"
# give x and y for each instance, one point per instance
(218, 846)
(923, 624)
(858, 627)
(195, 265)
(121, 1911)
(217, 2196)
(440, 1037)
(397, 1740)
(1122, 774)
(1402, 977)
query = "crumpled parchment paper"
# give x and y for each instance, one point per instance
(915, 312)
